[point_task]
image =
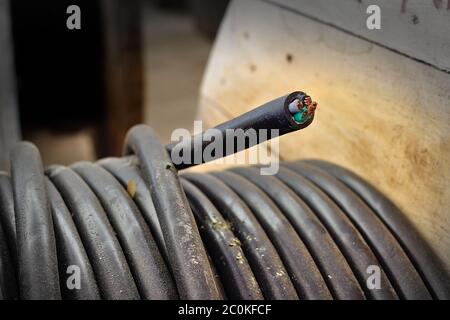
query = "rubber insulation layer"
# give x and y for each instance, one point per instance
(273, 117)
(133, 228)
(234, 234)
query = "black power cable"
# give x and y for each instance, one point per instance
(394, 260)
(149, 270)
(225, 249)
(70, 249)
(274, 115)
(112, 272)
(301, 268)
(262, 256)
(37, 264)
(134, 229)
(427, 263)
(335, 269)
(351, 243)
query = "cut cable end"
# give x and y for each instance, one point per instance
(302, 108)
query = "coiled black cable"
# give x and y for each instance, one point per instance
(37, 264)
(300, 265)
(349, 240)
(236, 274)
(135, 229)
(395, 261)
(427, 263)
(335, 269)
(266, 264)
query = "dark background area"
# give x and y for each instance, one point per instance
(79, 91)
(59, 71)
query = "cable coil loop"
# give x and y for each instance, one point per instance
(132, 228)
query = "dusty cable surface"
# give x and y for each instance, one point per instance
(136, 229)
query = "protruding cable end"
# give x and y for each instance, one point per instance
(302, 108)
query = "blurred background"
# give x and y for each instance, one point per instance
(134, 61)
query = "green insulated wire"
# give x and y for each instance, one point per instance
(302, 108)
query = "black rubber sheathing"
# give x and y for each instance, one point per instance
(271, 115)
(8, 285)
(108, 261)
(7, 215)
(395, 262)
(355, 249)
(149, 270)
(338, 275)
(301, 267)
(8, 249)
(126, 171)
(188, 260)
(224, 248)
(131, 228)
(425, 260)
(36, 248)
(76, 275)
(265, 262)
(217, 280)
